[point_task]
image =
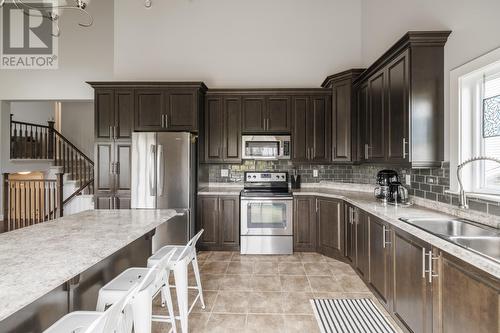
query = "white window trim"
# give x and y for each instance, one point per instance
(457, 102)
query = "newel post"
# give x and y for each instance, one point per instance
(5, 201)
(60, 196)
(50, 143)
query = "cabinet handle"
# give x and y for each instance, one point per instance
(317, 201)
(162, 121)
(366, 151)
(115, 203)
(429, 271)
(404, 148)
(166, 121)
(112, 168)
(384, 237)
(115, 131)
(110, 202)
(117, 168)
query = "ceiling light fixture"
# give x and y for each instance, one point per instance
(49, 11)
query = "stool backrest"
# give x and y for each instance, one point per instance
(161, 267)
(117, 318)
(190, 248)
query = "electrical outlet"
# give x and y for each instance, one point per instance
(431, 180)
(408, 179)
(315, 173)
(224, 172)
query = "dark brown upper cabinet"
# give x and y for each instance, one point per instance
(254, 114)
(344, 122)
(114, 109)
(400, 102)
(279, 118)
(146, 106)
(311, 128)
(222, 131)
(150, 110)
(266, 114)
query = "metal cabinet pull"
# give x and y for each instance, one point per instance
(366, 151)
(166, 121)
(117, 168)
(115, 205)
(430, 259)
(384, 237)
(404, 147)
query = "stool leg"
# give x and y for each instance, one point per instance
(168, 297)
(142, 308)
(198, 280)
(181, 287)
(101, 303)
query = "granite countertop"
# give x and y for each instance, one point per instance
(220, 190)
(37, 259)
(391, 214)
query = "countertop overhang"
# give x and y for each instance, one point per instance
(37, 259)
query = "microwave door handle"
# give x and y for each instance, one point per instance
(151, 167)
(161, 170)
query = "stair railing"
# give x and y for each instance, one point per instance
(31, 201)
(34, 141)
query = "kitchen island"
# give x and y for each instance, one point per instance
(50, 269)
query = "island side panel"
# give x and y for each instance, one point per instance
(80, 293)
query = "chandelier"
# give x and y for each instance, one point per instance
(49, 11)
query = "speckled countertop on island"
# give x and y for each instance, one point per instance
(37, 259)
(391, 214)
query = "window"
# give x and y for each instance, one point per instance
(490, 181)
(479, 128)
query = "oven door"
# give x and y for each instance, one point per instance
(266, 216)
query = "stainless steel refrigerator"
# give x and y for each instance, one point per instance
(164, 177)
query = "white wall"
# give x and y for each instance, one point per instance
(36, 112)
(77, 125)
(237, 43)
(475, 31)
(84, 54)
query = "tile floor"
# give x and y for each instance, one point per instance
(250, 293)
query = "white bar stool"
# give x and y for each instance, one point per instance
(116, 319)
(152, 281)
(183, 257)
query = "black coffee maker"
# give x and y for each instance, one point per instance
(384, 180)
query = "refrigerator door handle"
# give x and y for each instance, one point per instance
(152, 190)
(161, 170)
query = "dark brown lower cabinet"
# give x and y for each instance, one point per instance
(304, 224)
(412, 291)
(362, 251)
(465, 298)
(350, 233)
(219, 216)
(380, 258)
(330, 215)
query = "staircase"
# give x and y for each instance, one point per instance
(68, 186)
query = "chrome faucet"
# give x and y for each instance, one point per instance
(463, 197)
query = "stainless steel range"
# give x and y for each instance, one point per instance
(266, 214)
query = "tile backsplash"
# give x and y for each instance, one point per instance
(430, 184)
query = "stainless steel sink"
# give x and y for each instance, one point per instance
(487, 246)
(479, 239)
(450, 227)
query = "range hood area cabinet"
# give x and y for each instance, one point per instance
(152, 106)
(400, 103)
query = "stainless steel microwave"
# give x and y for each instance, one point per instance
(265, 147)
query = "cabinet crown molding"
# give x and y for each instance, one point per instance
(409, 40)
(352, 74)
(148, 84)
